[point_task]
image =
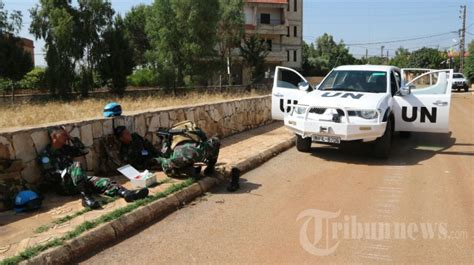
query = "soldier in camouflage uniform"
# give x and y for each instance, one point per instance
(67, 177)
(182, 151)
(135, 150)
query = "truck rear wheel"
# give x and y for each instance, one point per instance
(303, 144)
(383, 144)
(466, 88)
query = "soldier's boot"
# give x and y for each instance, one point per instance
(234, 182)
(133, 195)
(210, 167)
(89, 202)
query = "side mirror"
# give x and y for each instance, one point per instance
(303, 86)
(406, 90)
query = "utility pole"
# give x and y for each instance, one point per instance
(366, 55)
(387, 58)
(462, 38)
(381, 51)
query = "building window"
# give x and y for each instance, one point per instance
(295, 4)
(288, 55)
(288, 34)
(295, 31)
(294, 56)
(269, 44)
(264, 18)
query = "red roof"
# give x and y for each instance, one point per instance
(268, 1)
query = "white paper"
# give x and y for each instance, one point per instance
(129, 172)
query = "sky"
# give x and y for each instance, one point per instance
(361, 24)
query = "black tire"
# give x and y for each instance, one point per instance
(466, 89)
(383, 144)
(303, 144)
(405, 135)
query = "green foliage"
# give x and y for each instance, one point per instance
(5, 85)
(254, 51)
(34, 79)
(183, 37)
(230, 30)
(469, 63)
(117, 59)
(401, 59)
(135, 31)
(10, 22)
(15, 62)
(145, 77)
(426, 58)
(376, 60)
(325, 54)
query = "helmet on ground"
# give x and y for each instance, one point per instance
(27, 200)
(112, 109)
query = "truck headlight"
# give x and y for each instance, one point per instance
(300, 109)
(367, 114)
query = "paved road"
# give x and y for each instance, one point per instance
(416, 207)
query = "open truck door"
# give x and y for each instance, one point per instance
(288, 87)
(423, 102)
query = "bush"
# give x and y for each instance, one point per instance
(145, 77)
(34, 79)
(5, 85)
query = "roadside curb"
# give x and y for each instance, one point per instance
(123, 226)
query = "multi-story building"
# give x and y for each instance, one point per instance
(280, 24)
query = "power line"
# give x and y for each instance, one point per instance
(401, 40)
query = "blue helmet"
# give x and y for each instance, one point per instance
(27, 200)
(112, 109)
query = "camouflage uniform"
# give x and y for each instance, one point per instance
(66, 177)
(185, 154)
(8, 190)
(140, 153)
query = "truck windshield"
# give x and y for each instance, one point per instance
(360, 81)
(458, 76)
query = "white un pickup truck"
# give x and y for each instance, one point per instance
(362, 102)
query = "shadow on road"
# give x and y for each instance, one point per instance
(410, 151)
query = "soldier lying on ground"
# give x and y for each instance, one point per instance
(135, 150)
(67, 177)
(184, 146)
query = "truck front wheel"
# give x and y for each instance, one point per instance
(303, 144)
(383, 144)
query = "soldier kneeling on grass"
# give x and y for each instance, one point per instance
(65, 176)
(185, 147)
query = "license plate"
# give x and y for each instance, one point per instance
(327, 139)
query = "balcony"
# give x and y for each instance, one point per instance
(276, 56)
(272, 27)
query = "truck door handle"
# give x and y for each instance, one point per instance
(278, 95)
(440, 103)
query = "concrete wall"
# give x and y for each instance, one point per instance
(222, 118)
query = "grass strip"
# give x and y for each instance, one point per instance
(103, 201)
(33, 251)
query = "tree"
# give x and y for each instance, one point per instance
(94, 18)
(135, 31)
(254, 51)
(426, 58)
(116, 62)
(183, 38)
(15, 62)
(56, 22)
(326, 55)
(10, 22)
(401, 59)
(469, 64)
(230, 31)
